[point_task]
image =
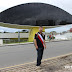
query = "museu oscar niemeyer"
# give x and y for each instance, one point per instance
(36, 14)
(32, 15)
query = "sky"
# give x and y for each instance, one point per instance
(59, 29)
(6, 29)
(63, 4)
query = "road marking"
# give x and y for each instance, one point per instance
(35, 61)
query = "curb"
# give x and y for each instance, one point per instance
(16, 44)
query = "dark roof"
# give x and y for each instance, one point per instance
(35, 14)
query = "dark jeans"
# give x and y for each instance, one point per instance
(39, 55)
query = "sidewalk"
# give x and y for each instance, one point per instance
(55, 64)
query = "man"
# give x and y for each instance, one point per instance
(39, 41)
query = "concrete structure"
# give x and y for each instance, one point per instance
(32, 15)
(8, 37)
(33, 29)
(1, 41)
(13, 35)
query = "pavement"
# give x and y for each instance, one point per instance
(55, 64)
(20, 54)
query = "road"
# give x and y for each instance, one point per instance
(20, 54)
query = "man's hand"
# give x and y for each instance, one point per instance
(36, 47)
(45, 46)
(35, 44)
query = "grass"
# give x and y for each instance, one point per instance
(18, 42)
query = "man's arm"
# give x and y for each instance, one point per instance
(35, 42)
(44, 41)
(44, 44)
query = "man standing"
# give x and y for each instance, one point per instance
(39, 41)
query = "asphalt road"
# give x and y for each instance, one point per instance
(19, 54)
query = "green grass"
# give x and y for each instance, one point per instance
(18, 42)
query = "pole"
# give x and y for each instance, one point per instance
(18, 36)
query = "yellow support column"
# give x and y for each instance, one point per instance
(32, 32)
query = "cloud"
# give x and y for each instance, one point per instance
(6, 29)
(64, 4)
(59, 29)
(11, 3)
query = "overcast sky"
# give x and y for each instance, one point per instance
(6, 29)
(64, 4)
(59, 29)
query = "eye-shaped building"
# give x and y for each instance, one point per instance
(34, 15)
